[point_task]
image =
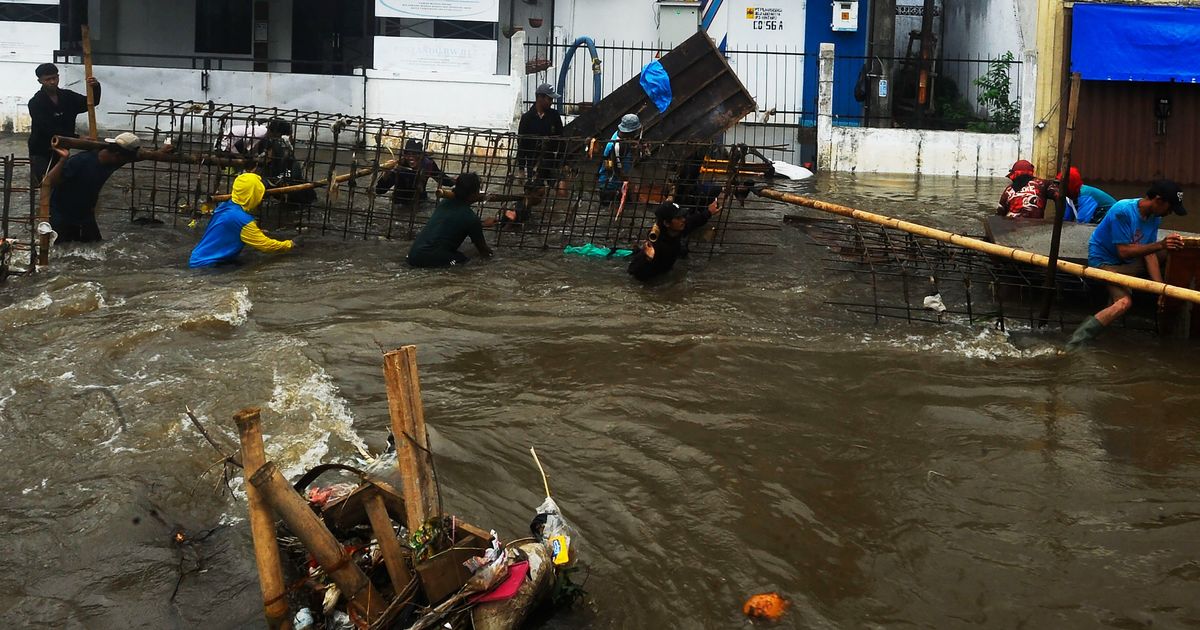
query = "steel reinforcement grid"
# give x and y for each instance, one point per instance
(325, 146)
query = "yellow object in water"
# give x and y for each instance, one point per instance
(560, 547)
(248, 191)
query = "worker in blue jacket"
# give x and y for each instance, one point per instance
(233, 227)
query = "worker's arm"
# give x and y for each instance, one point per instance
(476, 234)
(40, 114)
(254, 237)
(1130, 250)
(55, 176)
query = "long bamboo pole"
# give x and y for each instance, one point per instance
(262, 524)
(293, 510)
(283, 190)
(86, 34)
(84, 144)
(1001, 251)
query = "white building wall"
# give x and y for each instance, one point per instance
(24, 45)
(957, 153)
(984, 29)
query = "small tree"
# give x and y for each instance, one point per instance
(995, 88)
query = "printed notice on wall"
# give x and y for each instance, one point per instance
(427, 54)
(471, 10)
(765, 18)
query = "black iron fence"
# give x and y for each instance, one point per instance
(975, 94)
(961, 94)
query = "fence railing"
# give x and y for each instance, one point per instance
(976, 94)
(972, 94)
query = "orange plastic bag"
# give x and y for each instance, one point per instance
(769, 606)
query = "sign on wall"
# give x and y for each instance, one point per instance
(429, 54)
(766, 22)
(472, 10)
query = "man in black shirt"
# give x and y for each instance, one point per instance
(411, 175)
(539, 150)
(452, 222)
(52, 112)
(672, 225)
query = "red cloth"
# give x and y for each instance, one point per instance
(509, 587)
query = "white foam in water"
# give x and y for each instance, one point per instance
(314, 397)
(239, 308)
(988, 344)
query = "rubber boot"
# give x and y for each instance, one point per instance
(1086, 332)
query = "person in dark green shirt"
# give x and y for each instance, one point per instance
(452, 222)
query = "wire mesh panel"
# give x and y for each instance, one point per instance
(355, 177)
(18, 214)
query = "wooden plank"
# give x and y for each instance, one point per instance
(393, 558)
(414, 460)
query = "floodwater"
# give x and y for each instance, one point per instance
(720, 434)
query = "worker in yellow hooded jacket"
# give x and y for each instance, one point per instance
(232, 227)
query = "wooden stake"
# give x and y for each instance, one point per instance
(414, 460)
(389, 545)
(1060, 200)
(262, 524)
(293, 510)
(87, 74)
(966, 242)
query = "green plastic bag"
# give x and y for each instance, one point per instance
(596, 251)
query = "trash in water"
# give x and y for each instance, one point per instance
(769, 606)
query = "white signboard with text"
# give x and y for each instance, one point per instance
(431, 54)
(471, 10)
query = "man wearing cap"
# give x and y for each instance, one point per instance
(453, 221)
(672, 224)
(1126, 242)
(538, 150)
(232, 227)
(77, 180)
(410, 177)
(1025, 196)
(616, 164)
(52, 112)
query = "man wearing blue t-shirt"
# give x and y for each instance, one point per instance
(1126, 241)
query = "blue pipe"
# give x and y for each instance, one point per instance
(597, 85)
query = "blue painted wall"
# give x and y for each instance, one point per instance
(817, 31)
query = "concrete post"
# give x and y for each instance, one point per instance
(516, 75)
(1028, 128)
(825, 108)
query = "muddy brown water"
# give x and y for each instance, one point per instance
(720, 434)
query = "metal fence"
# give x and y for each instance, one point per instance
(775, 76)
(973, 94)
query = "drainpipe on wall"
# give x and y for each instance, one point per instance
(1028, 128)
(825, 108)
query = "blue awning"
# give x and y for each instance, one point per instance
(1117, 42)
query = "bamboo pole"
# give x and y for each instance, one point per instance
(262, 524)
(293, 510)
(414, 460)
(159, 155)
(1001, 251)
(86, 35)
(43, 217)
(1060, 200)
(389, 545)
(283, 190)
